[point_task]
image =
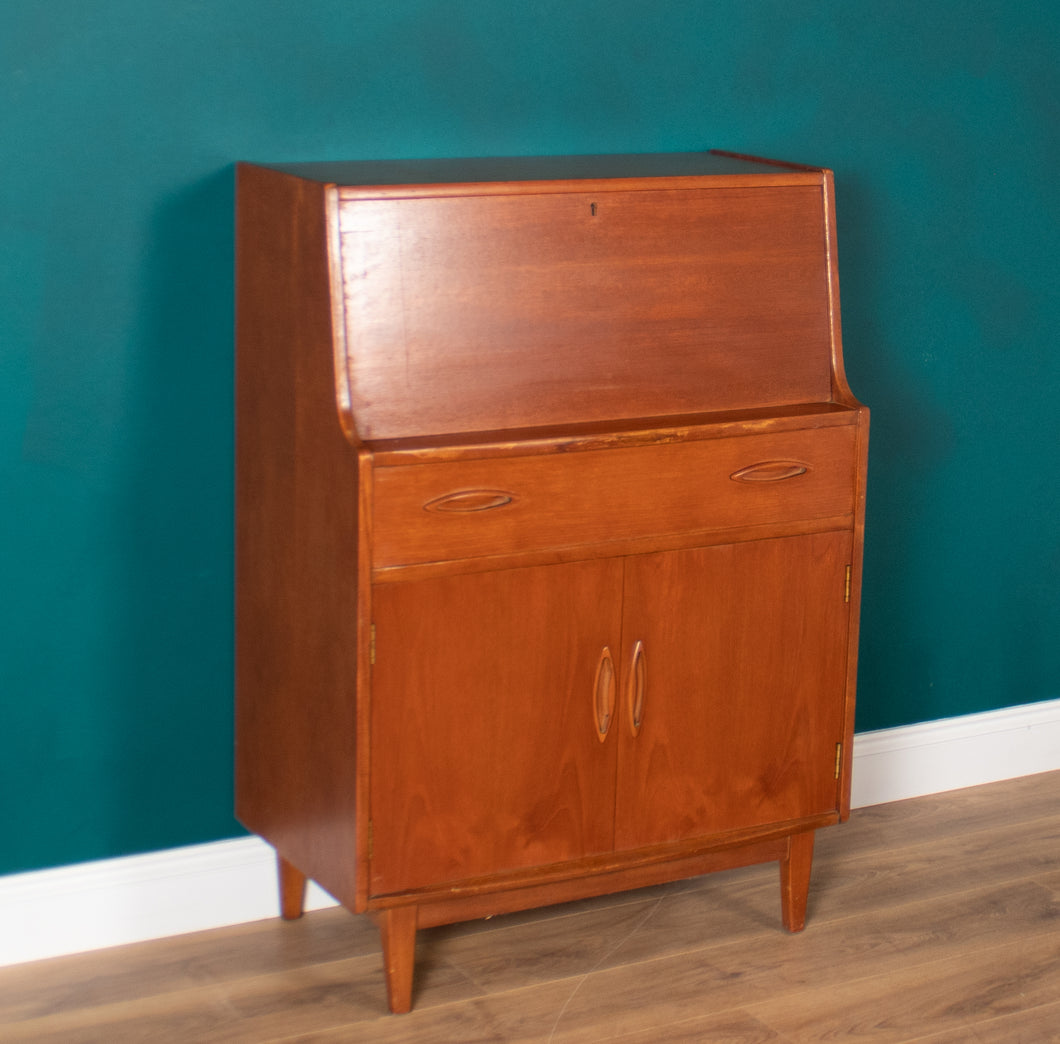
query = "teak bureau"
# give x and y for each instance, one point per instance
(549, 522)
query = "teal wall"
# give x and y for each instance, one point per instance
(119, 125)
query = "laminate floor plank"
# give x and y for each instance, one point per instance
(1050, 881)
(729, 1027)
(953, 995)
(163, 966)
(714, 916)
(299, 1000)
(1038, 1025)
(934, 920)
(846, 886)
(650, 994)
(937, 816)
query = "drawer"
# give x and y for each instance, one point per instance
(435, 512)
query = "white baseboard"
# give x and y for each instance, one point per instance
(936, 756)
(89, 906)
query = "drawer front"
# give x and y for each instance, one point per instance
(469, 509)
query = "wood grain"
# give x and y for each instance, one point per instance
(657, 290)
(748, 679)
(491, 757)
(935, 920)
(296, 728)
(601, 496)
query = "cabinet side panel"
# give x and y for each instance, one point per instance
(296, 540)
(588, 306)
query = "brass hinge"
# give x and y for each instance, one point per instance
(846, 595)
(371, 646)
(838, 758)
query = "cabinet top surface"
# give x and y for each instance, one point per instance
(483, 170)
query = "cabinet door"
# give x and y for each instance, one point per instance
(743, 668)
(486, 755)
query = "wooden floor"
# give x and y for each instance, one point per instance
(936, 919)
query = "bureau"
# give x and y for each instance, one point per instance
(549, 516)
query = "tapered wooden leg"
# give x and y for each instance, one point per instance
(397, 928)
(292, 889)
(795, 880)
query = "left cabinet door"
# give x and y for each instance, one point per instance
(488, 699)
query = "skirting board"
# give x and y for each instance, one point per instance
(48, 913)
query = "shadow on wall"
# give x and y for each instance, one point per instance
(173, 749)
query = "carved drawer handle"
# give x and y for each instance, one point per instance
(467, 500)
(604, 693)
(636, 688)
(770, 471)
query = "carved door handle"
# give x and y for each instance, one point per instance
(770, 471)
(604, 693)
(465, 501)
(636, 688)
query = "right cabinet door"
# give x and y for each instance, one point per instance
(736, 673)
